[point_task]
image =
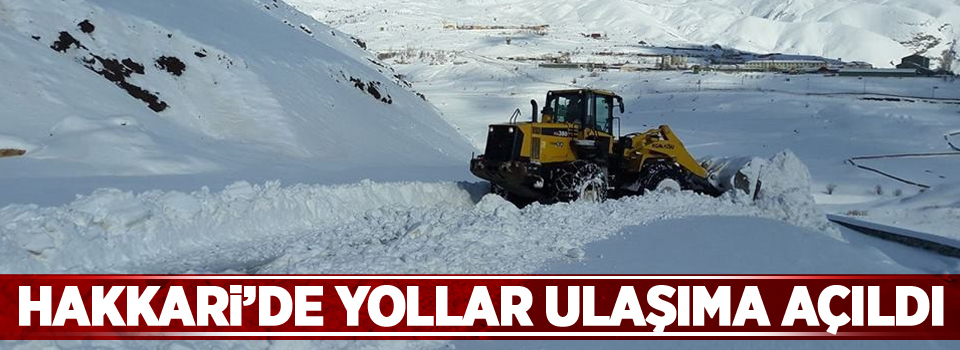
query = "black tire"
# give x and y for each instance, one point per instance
(579, 180)
(654, 173)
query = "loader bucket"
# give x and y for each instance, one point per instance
(729, 174)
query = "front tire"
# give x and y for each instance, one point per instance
(579, 181)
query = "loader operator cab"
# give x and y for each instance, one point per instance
(589, 109)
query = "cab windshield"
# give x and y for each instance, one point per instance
(593, 111)
(568, 108)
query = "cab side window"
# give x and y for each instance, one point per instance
(604, 112)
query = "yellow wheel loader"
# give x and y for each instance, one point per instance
(571, 154)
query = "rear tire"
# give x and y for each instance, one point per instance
(669, 186)
(653, 174)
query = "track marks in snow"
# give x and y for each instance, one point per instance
(235, 229)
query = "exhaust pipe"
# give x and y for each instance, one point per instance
(533, 115)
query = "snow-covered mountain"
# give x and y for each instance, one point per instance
(876, 31)
(122, 88)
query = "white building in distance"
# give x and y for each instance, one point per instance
(784, 65)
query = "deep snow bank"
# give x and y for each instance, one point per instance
(236, 228)
(779, 185)
(362, 228)
(115, 87)
(416, 228)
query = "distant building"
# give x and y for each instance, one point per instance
(858, 65)
(915, 61)
(672, 62)
(726, 60)
(883, 72)
(724, 67)
(784, 65)
(577, 65)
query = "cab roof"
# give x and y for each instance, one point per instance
(596, 91)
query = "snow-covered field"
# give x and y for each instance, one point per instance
(286, 146)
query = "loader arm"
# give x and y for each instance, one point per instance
(679, 152)
(663, 143)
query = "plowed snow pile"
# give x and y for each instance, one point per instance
(363, 228)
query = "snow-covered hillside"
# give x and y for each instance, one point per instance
(876, 31)
(132, 88)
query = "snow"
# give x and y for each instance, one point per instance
(263, 94)
(780, 184)
(367, 227)
(747, 246)
(651, 249)
(731, 115)
(934, 211)
(823, 120)
(270, 160)
(879, 32)
(378, 228)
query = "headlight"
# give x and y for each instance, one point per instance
(491, 129)
(510, 130)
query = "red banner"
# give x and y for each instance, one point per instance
(482, 307)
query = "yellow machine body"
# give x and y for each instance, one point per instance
(549, 158)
